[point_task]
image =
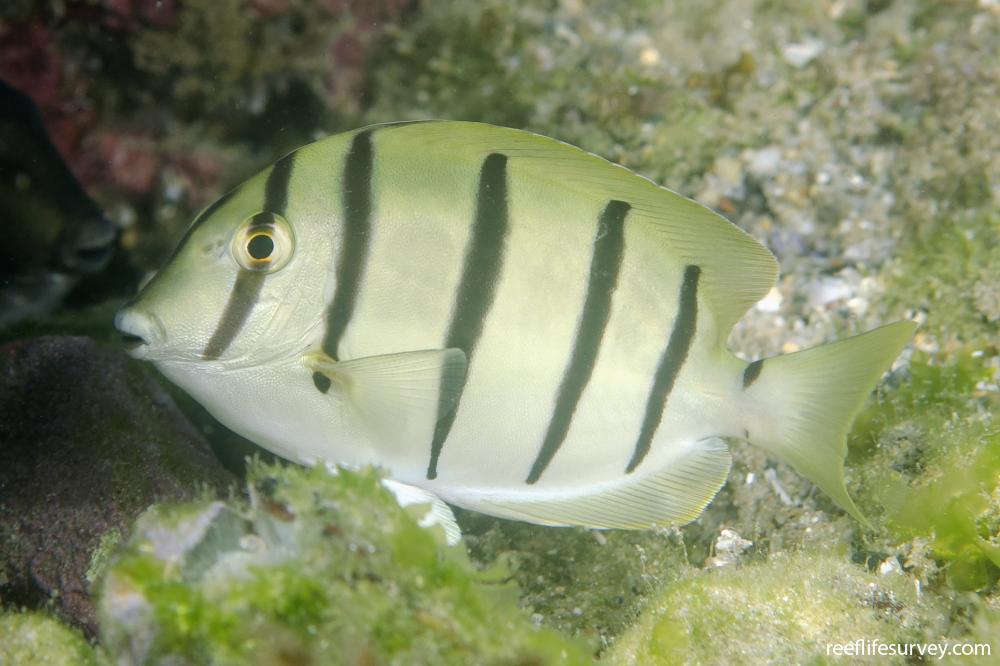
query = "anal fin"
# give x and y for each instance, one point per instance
(671, 496)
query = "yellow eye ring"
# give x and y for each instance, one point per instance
(263, 242)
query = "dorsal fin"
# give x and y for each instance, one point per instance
(737, 271)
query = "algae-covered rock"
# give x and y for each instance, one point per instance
(948, 275)
(931, 465)
(786, 610)
(88, 440)
(983, 631)
(31, 638)
(317, 569)
(587, 583)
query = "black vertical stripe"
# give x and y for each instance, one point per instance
(276, 188)
(670, 363)
(198, 221)
(242, 299)
(353, 255)
(609, 246)
(246, 290)
(480, 275)
(751, 372)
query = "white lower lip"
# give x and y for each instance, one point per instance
(138, 331)
(137, 350)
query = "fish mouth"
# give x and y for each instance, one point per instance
(91, 249)
(133, 342)
(92, 259)
(139, 331)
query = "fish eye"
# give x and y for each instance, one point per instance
(260, 247)
(263, 242)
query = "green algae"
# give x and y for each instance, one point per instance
(101, 555)
(984, 627)
(948, 272)
(784, 610)
(589, 584)
(34, 638)
(457, 47)
(929, 448)
(327, 569)
(220, 62)
(562, 71)
(933, 466)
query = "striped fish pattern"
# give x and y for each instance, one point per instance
(498, 319)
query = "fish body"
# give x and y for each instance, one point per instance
(502, 320)
(59, 233)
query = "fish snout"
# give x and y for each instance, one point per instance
(140, 331)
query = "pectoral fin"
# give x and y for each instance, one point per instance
(394, 395)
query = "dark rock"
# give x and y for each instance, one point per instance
(88, 440)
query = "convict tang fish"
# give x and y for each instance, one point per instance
(499, 320)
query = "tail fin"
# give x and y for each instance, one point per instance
(805, 403)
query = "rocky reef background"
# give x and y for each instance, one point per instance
(857, 139)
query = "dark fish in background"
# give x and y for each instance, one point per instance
(53, 232)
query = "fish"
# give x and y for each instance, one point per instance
(56, 232)
(499, 320)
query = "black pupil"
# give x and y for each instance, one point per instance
(260, 246)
